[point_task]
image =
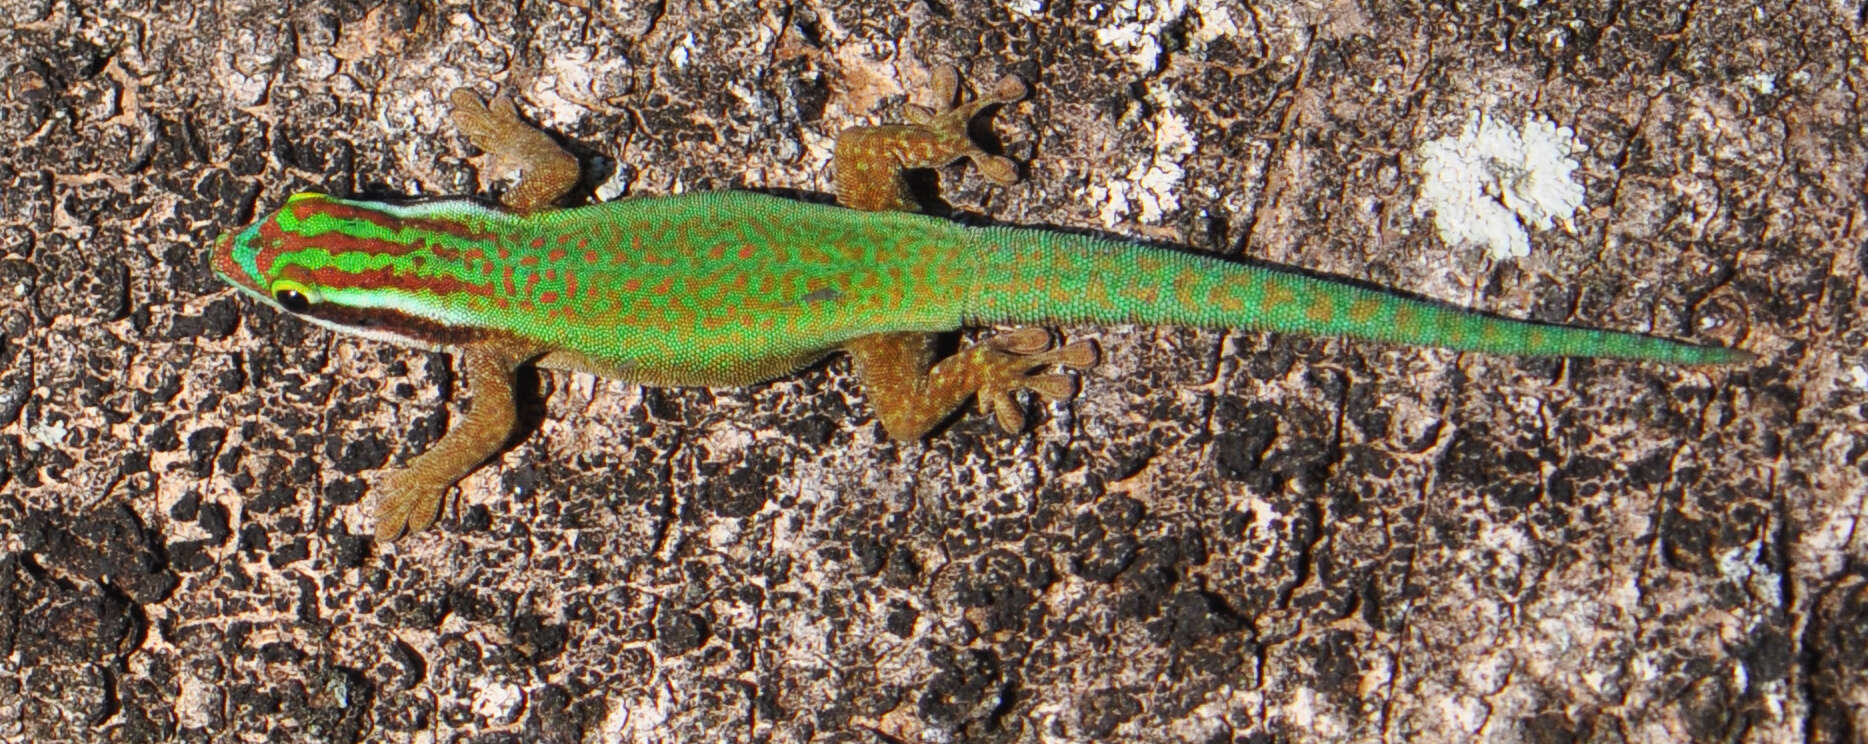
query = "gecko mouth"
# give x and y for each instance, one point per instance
(221, 258)
(392, 325)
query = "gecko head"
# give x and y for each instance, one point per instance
(346, 265)
(248, 258)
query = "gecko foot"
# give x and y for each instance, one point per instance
(1007, 365)
(405, 505)
(950, 123)
(546, 171)
(870, 160)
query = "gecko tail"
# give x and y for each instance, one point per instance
(1034, 276)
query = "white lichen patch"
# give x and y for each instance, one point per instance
(1763, 82)
(497, 701)
(683, 53)
(1027, 8)
(1152, 187)
(44, 434)
(1491, 181)
(1135, 28)
(1740, 565)
(617, 184)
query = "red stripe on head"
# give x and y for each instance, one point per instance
(387, 278)
(273, 240)
(305, 209)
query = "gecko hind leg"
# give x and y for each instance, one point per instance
(912, 393)
(546, 171)
(869, 160)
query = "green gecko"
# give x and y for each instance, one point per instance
(731, 288)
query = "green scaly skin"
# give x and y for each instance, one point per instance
(731, 288)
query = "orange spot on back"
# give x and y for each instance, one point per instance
(1455, 331)
(1096, 291)
(1277, 294)
(1322, 309)
(1363, 310)
(1184, 282)
(1226, 295)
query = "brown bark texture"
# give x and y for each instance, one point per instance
(1227, 536)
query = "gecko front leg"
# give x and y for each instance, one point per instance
(546, 171)
(409, 499)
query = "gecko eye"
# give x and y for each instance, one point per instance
(292, 299)
(292, 296)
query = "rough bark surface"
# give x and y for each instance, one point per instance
(1226, 537)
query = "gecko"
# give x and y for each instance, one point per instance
(736, 287)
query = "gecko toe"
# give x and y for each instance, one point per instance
(1009, 89)
(998, 169)
(1075, 355)
(1005, 410)
(1022, 342)
(1051, 387)
(405, 508)
(945, 80)
(392, 521)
